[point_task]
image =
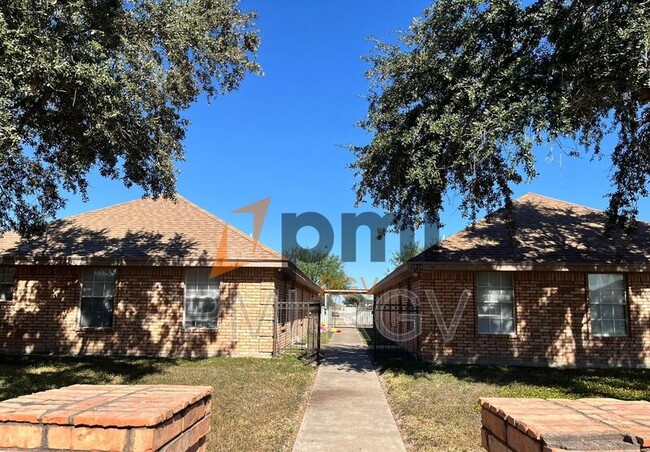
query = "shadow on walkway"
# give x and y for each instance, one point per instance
(348, 358)
(347, 409)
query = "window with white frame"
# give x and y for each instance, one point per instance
(496, 303)
(608, 298)
(97, 296)
(7, 283)
(201, 299)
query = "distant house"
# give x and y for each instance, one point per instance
(558, 292)
(147, 277)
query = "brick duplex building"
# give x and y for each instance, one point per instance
(557, 292)
(137, 279)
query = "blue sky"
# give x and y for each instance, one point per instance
(281, 135)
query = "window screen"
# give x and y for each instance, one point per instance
(201, 299)
(7, 283)
(607, 294)
(97, 294)
(496, 303)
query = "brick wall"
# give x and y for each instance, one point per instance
(587, 425)
(552, 322)
(109, 418)
(147, 318)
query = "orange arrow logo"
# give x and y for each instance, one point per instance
(221, 264)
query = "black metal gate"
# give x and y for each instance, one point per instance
(395, 333)
(297, 329)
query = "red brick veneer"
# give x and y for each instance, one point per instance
(43, 316)
(553, 321)
(536, 425)
(108, 418)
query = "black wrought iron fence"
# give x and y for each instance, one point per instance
(297, 328)
(395, 332)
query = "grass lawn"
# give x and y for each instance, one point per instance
(369, 336)
(437, 406)
(325, 338)
(257, 404)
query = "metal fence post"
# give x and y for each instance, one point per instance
(318, 334)
(418, 325)
(275, 326)
(374, 332)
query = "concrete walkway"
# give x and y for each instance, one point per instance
(347, 409)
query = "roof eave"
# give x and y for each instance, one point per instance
(158, 262)
(136, 261)
(291, 266)
(410, 267)
(396, 274)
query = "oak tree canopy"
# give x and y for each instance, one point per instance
(458, 105)
(101, 85)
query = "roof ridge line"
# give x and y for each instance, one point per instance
(563, 201)
(496, 212)
(229, 226)
(99, 209)
(593, 209)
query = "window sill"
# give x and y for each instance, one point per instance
(99, 329)
(200, 330)
(497, 335)
(610, 336)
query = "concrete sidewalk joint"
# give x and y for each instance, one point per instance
(348, 409)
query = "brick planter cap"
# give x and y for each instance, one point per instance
(103, 406)
(559, 422)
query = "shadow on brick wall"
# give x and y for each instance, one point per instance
(148, 304)
(553, 319)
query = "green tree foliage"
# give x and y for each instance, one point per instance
(323, 268)
(474, 85)
(406, 253)
(352, 301)
(357, 300)
(101, 84)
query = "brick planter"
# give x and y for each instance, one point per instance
(536, 425)
(108, 418)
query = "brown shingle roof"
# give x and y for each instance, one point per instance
(550, 234)
(141, 230)
(547, 231)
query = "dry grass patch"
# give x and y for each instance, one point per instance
(257, 403)
(437, 406)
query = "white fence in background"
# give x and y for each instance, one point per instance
(326, 316)
(364, 317)
(347, 316)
